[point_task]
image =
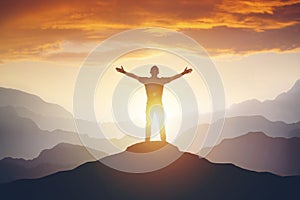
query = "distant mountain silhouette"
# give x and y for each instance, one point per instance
(189, 177)
(61, 157)
(241, 125)
(46, 122)
(258, 152)
(17, 98)
(285, 107)
(48, 116)
(21, 137)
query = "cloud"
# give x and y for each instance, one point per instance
(254, 6)
(87, 15)
(65, 56)
(238, 40)
(31, 28)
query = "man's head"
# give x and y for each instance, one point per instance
(154, 70)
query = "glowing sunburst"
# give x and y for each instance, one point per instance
(137, 106)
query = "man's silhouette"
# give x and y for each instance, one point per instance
(154, 88)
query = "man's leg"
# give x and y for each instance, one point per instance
(163, 134)
(161, 120)
(148, 124)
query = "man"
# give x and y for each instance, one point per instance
(154, 88)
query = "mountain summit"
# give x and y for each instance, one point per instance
(188, 177)
(146, 147)
(144, 157)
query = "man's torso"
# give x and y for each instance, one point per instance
(154, 93)
(154, 88)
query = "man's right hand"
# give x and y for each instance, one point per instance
(121, 70)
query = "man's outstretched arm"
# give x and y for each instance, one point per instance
(121, 70)
(185, 71)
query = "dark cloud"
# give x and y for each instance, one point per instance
(281, 14)
(239, 40)
(287, 13)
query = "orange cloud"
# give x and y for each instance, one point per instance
(32, 27)
(220, 40)
(254, 6)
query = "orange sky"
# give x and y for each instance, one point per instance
(36, 29)
(255, 43)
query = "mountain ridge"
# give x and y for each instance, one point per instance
(258, 152)
(284, 107)
(189, 177)
(62, 156)
(34, 103)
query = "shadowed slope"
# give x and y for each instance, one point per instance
(258, 152)
(61, 157)
(144, 157)
(189, 177)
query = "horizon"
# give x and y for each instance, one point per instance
(227, 107)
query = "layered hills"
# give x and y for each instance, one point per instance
(188, 177)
